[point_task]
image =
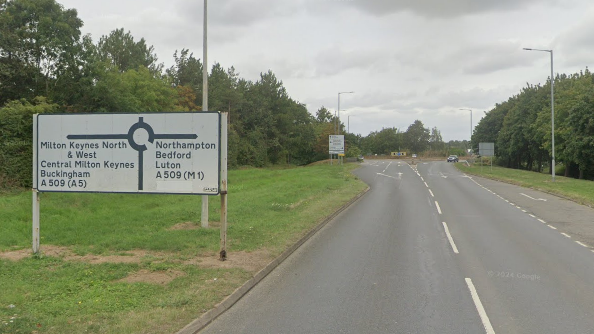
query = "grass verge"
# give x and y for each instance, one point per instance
(140, 263)
(581, 191)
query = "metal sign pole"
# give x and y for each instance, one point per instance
(223, 252)
(35, 193)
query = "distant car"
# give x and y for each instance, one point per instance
(453, 158)
(414, 156)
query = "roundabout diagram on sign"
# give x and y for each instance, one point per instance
(139, 147)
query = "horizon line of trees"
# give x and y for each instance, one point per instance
(521, 127)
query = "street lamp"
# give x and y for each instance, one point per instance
(349, 123)
(470, 121)
(204, 211)
(552, 111)
(338, 119)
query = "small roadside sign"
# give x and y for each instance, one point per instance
(336, 144)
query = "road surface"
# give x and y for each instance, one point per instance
(431, 250)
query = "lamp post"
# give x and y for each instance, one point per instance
(204, 211)
(338, 119)
(552, 112)
(349, 123)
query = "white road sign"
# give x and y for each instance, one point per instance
(336, 144)
(177, 153)
(487, 149)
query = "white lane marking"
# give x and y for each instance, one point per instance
(422, 179)
(512, 203)
(438, 208)
(397, 178)
(387, 167)
(479, 307)
(445, 177)
(551, 226)
(531, 215)
(426, 184)
(431, 192)
(532, 198)
(566, 235)
(581, 244)
(542, 221)
(522, 210)
(447, 231)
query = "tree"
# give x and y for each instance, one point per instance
(16, 138)
(435, 140)
(417, 137)
(132, 91)
(39, 41)
(121, 51)
(323, 115)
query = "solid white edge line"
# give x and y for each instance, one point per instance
(479, 307)
(438, 208)
(447, 231)
(431, 192)
(581, 244)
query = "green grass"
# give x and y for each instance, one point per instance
(269, 209)
(581, 191)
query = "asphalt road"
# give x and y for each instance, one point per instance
(431, 250)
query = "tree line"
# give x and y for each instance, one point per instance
(521, 127)
(48, 66)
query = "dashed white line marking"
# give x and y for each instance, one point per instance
(479, 307)
(447, 231)
(422, 179)
(532, 198)
(438, 208)
(426, 184)
(581, 244)
(431, 192)
(531, 215)
(522, 210)
(551, 226)
(542, 221)
(566, 235)
(512, 203)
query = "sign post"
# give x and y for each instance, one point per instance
(487, 150)
(336, 144)
(150, 153)
(223, 252)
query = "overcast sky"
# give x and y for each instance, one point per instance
(404, 59)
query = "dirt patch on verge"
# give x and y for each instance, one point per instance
(152, 277)
(193, 226)
(248, 261)
(184, 226)
(133, 256)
